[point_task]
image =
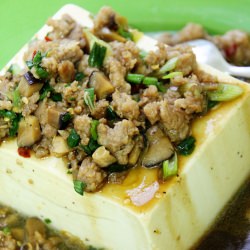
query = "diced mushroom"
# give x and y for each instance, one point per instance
(59, 146)
(102, 157)
(58, 118)
(101, 84)
(29, 131)
(136, 151)
(28, 85)
(159, 147)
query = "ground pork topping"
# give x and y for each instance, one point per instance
(107, 106)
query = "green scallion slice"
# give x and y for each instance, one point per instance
(186, 147)
(169, 65)
(134, 78)
(93, 129)
(110, 113)
(6, 230)
(124, 33)
(150, 80)
(79, 76)
(97, 55)
(47, 221)
(172, 75)
(79, 186)
(16, 98)
(170, 167)
(41, 72)
(73, 139)
(225, 92)
(89, 98)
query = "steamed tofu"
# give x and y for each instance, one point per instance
(141, 213)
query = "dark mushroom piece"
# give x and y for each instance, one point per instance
(159, 147)
(101, 84)
(57, 118)
(28, 85)
(29, 131)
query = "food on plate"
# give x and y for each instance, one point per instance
(19, 232)
(106, 106)
(234, 44)
(146, 140)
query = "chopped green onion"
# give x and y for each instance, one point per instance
(170, 167)
(93, 129)
(16, 98)
(56, 97)
(73, 139)
(79, 76)
(172, 75)
(45, 91)
(14, 119)
(79, 186)
(47, 221)
(211, 104)
(186, 147)
(97, 55)
(41, 72)
(225, 92)
(169, 65)
(150, 80)
(29, 64)
(6, 230)
(134, 78)
(110, 113)
(161, 87)
(91, 147)
(89, 98)
(37, 58)
(115, 167)
(69, 171)
(124, 33)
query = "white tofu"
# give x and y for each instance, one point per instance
(141, 214)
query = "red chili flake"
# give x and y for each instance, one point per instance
(47, 39)
(24, 152)
(33, 55)
(230, 50)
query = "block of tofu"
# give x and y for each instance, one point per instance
(140, 214)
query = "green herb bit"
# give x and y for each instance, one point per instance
(134, 78)
(47, 221)
(172, 75)
(14, 125)
(110, 113)
(79, 187)
(79, 76)
(91, 147)
(93, 129)
(89, 98)
(97, 55)
(115, 167)
(16, 98)
(211, 104)
(41, 72)
(186, 147)
(29, 64)
(37, 58)
(69, 171)
(45, 91)
(225, 92)
(169, 65)
(170, 167)
(150, 81)
(6, 230)
(56, 97)
(73, 139)
(124, 33)
(161, 87)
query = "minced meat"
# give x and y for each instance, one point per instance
(75, 104)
